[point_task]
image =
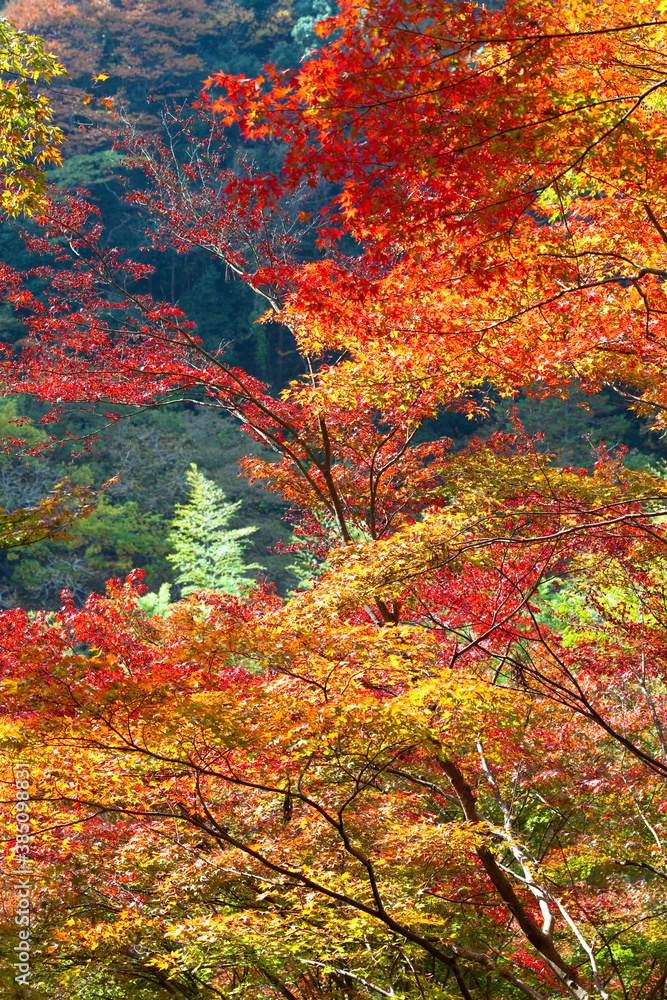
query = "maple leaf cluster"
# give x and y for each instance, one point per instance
(29, 138)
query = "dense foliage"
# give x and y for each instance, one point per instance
(439, 770)
(29, 138)
(93, 41)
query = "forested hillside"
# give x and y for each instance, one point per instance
(155, 55)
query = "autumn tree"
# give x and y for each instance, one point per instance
(484, 160)
(378, 809)
(29, 139)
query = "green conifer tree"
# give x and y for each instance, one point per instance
(206, 553)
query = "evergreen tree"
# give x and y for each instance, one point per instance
(206, 554)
